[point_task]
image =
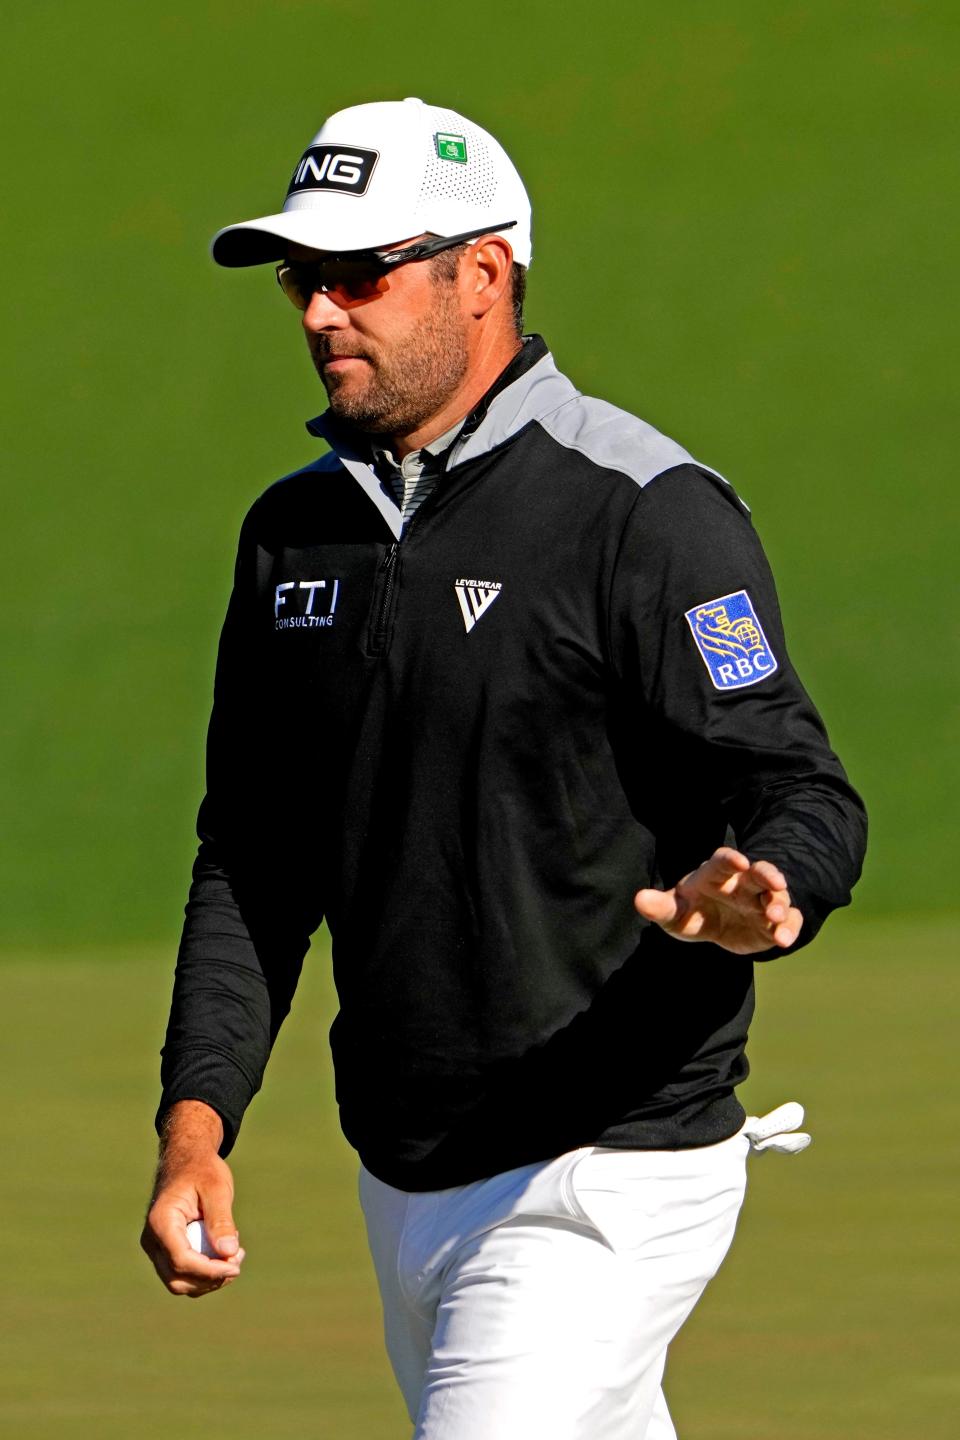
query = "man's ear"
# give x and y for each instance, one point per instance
(486, 275)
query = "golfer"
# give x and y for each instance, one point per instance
(503, 695)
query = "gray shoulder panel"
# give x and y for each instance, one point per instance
(609, 437)
(614, 439)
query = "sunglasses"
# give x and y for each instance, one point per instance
(357, 274)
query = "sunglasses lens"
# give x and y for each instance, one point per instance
(356, 279)
(291, 283)
(353, 279)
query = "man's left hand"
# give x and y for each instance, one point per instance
(742, 906)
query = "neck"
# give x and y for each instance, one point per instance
(481, 373)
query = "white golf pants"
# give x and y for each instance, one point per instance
(539, 1304)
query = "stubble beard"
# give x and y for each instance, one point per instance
(406, 387)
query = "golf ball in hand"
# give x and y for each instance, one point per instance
(198, 1239)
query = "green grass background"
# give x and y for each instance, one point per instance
(745, 222)
(834, 1317)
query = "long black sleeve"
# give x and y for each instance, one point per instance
(243, 938)
(744, 743)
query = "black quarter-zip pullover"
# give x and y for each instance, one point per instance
(468, 745)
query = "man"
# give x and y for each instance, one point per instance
(502, 658)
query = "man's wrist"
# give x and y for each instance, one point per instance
(189, 1126)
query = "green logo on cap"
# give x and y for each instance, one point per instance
(451, 147)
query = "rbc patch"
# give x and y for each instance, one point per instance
(731, 641)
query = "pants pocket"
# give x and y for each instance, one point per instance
(660, 1202)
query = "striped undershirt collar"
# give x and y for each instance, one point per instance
(413, 479)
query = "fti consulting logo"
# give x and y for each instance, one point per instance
(731, 641)
(305, 604)
(451, 147)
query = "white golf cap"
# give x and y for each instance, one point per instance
(380, 173)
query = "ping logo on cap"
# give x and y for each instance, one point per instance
(451, 147)
(731, 641)
(334, 167)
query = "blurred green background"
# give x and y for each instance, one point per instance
(745, 231)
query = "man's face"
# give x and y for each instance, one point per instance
(391, 361)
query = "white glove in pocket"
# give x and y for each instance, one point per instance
(773, 1131)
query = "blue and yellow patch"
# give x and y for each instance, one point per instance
(731, 641)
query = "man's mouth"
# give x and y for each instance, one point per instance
(324, 352)
(338, 363)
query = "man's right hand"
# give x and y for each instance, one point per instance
(192, 1183)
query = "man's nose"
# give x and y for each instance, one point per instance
(325, 312)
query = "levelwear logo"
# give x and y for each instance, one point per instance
(731, 641)
(305, 611)
(334, 167)
(475, 598)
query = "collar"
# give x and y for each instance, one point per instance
(528, 389)
(416, 458)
